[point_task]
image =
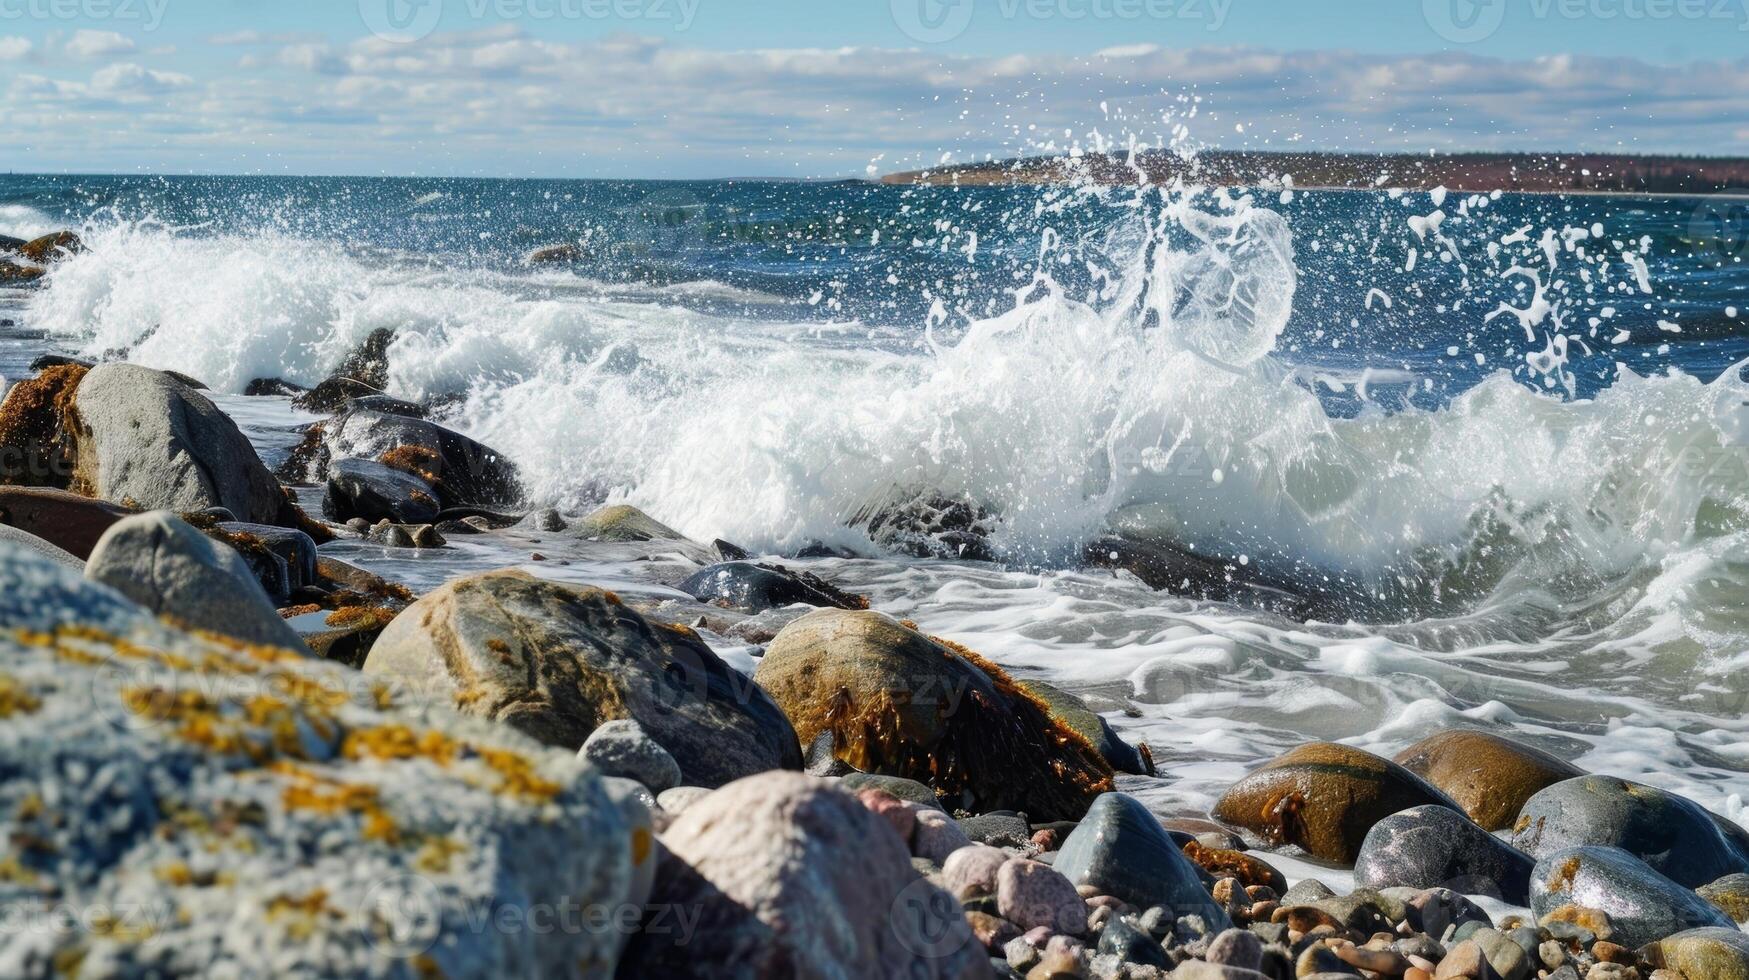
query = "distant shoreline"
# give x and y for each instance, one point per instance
(1610, 175)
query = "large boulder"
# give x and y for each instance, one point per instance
(210, 809)
(463, 472)
(622, 522)
(1674, 835)
(1489, 776)
(1121, 850)
(39, 428)
(173, 570)
(1324, 797)
(1434, 847)
(557, 661)
(150, 440)
(30, 542)
(51, 248)
(903, 704)
(785, 876)
(1643, 906)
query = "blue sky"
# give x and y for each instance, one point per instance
(837, 88)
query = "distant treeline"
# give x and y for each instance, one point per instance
(1470, 172)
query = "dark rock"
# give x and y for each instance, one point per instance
(1324, 797)
(1168, 568)
(272, 388)
(332, 395)
(1436, 910)
(67, 520)
(557, 661)
(822, 761)
(463, 472)
(1642, 905)
(730, 552)
(1132, 945)
(1678, 838)
(369, 361)
(1489, 776)
(388, 406)
(46, 361)
(929, 525)
(902, 703)
(557, 255)
(18, 276)
(1436, 847)
(756, 588)
(998, 830)
(362, 488)
(1120, 849)
(1074, 713)
(294, 547)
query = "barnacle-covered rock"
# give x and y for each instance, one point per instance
(210, 807)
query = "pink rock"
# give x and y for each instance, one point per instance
(1031, 894)
(1046, 840)
(1038, 936)
(972, 870)
(891, 809)
(936, 835)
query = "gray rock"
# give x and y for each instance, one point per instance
(623, 748)
(32, 543)
(1236, 947)
(155, 441)
(1642, 905)
(909, 790)
(1437, 910)
(1436, 847)
(283, 558)
(1678, 838)
(371, 491)
(1506, 957)
(1121, 849)
(677, 799)
(998, 829)
(227, 849)
(1132, 945)
(176, 572)
(786, 876)
(1084, 721)
(557, 661)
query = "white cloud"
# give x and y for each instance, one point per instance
(131, 80)
(14, 48)
(643, 106)
(98, 44)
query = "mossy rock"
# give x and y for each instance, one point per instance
(556, 661)
(901, 703)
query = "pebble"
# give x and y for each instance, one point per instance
(1030, 894)
(623, 748)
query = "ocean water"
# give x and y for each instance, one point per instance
(1500, 442)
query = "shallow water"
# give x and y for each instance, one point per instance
(1505, 452)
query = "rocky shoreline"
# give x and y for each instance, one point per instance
(228, 752)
